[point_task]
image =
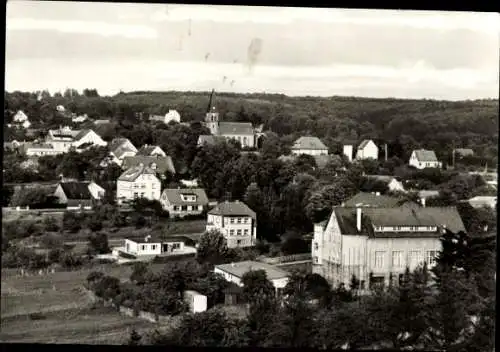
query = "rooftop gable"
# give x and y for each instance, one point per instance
(236, 208)
(311, 143)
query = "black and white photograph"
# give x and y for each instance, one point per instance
(249, 176)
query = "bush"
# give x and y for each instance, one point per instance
(172, 258)
(51, 224)
(70, 260)
(72, 222)
(98, 243)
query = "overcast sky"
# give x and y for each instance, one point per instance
(294, 51)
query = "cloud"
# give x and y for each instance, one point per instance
(86, 27)
(483, 22)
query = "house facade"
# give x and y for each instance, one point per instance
(64, 138)
(153, 246)
(422, 159)
(236, 221)
(180, 202)
(138, 182)
(376, 245)
(367, 150)
(309, 146)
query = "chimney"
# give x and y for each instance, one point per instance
(422, 201)
(358, 219)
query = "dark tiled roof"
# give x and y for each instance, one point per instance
(76, 190)
(402, 216)
(174, 196)
(240, 268)
(365, 199)
(82, 133)
(131, 174)
(235, 128)
(232, 209)
(308, 143)
(163, 163)
(425, 155)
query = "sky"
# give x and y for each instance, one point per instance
(244, 49)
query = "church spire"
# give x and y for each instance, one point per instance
(211, 102)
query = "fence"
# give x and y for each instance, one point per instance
(287, 258)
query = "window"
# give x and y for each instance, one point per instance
(136, 194)
(397, 228)
(246, 232)
(239, 220)
(239, 232)
(415, 258)
(362, 285)
(183, 207)
(316, 246)
(143, 247)
(231, 220)
(238, 242)
(153, 247)
(142, 194)
(231, 232)
(430, 257)
(176, 207)
(176, 246)
(315, 260)
(397, 259)
(379, 259)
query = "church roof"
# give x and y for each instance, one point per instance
(235, 128)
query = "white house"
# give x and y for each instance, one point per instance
(348, 152)
(367, 150)
(120, 148)
(422, 159)
(234, 272)
(393, 184)
(180, 202)
(39, 149)
(21, 119)
(377, 244)
(153, 246)
(236, 221)
(151, 150)
(309, 146)
(64, 138)
(138, 182)
(171, 115)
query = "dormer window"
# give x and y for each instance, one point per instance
(188, 197)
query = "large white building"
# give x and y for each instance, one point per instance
(422, 159)
(367, 150)
(138, 182)
(310, 146)
(63, 139)
(377, 244)
(236, 221)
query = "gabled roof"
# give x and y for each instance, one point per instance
(311, 143)
(117, 143)
(174, 196)
(364, 143)
(241, 268)
(146, 150)
(236, 208)
(235, 128)
(121, 150)
(364, 199)
(160, 164)
(76, 190)
(401, 216)
(423, 155)
(82, 133)
(131, 174)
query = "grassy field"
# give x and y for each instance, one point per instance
(80, 325)
(31, 215)
(66, 309)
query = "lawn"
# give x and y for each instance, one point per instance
(80, 325)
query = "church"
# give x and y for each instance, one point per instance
(243, 132)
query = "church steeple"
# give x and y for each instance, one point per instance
(212, 116)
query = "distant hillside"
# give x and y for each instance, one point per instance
(432, 124)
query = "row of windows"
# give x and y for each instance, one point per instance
(187, 207)
(239, 220)
(238, 232)
(242, 140)
(405, 228)
(414, 258)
